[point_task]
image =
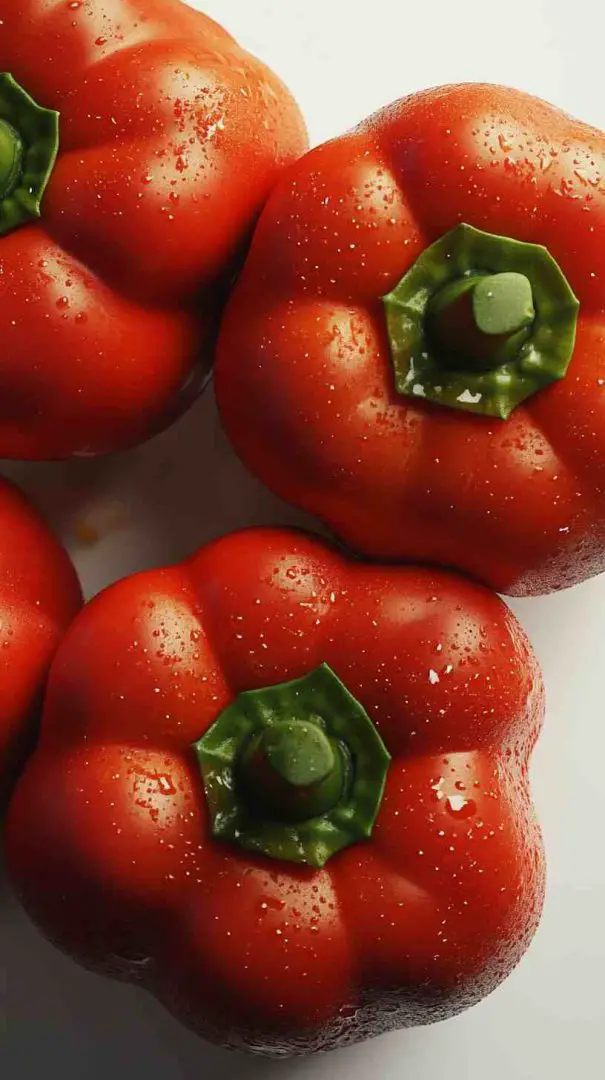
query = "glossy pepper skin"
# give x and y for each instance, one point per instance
(170, 139)
(109, 842)
(305, 378)
(39, 596)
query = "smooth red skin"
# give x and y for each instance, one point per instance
(39, 596)
(304, 375)
(171, 139)
(108, 840)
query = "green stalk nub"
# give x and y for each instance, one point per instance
(296, 771)
(503, 304)
(29, 144)
(480, 323)
(11, 159)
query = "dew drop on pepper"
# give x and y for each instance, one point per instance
(459, 807)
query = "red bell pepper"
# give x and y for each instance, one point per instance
(138, 142)
(39, 596)
(288, 793)
(404, 355)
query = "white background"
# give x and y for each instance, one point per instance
(343, 59)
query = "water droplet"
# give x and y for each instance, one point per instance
(460, 807)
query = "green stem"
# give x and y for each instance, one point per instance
(11, 159)
(481, 321)
(29, 144)
(294, 770)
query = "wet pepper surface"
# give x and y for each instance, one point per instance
(138, 143)
(360, 372)
(116, 837)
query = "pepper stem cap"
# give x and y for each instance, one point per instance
(11, 159)
(29, 144)
(295, 772)
(480, 322)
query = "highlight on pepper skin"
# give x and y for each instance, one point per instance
(138, 144)
(288, 793)
(415, 350)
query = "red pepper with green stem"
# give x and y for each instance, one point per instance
(138, 143)
(415, 350)
(39, 596)
(288, 793)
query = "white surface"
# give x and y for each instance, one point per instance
(344, 58)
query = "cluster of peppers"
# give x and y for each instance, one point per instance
(285, 788)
